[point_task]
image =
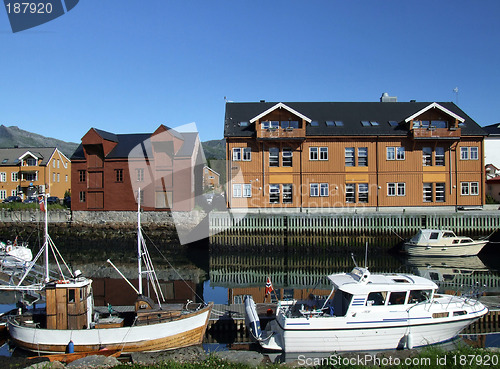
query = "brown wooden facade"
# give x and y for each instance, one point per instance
(363, 166)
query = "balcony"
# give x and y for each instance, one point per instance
(281, 134)
(436, 133)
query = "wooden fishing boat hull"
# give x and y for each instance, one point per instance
(187, 330)
(68, 358)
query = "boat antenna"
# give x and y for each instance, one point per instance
(366, 255)
(354, 260)
(46, 241)
(139, 238)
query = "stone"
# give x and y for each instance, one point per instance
(183, 355)
(94, 361)
(250, 358)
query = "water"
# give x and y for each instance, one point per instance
(225, 274)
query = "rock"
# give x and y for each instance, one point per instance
(94, 361)
(47, 365)
(183, 355)
(250, 358)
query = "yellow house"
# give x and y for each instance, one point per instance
(29, 171)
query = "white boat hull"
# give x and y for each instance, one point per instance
(173, 334)
(364, 333)
(469, 249)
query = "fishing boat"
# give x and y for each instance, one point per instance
(437, 242)
(70, 321)
(366, 311)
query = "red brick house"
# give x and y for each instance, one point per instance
(108, 169)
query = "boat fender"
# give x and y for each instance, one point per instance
(269, 312)
(252, 318)
(409, 341)
(9, 248)
(70, 349)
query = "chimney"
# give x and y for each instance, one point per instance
(386, 98)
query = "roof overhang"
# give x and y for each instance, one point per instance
(435, 105)
(281, 106)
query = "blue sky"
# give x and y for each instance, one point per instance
(127, 66)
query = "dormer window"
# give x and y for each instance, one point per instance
(31, 162)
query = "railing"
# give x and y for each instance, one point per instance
(281, 133)
(436, 133)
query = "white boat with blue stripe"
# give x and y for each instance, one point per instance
(367, 311)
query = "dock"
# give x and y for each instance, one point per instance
(232, 317)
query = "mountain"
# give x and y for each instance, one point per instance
(215, 149)
(14, 136)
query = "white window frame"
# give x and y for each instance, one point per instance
(353, 157)
(276, 156)
(426, 156)
(323, 190)
(246, 154)
(323, 153)
(474, 188)
(247, 190)
(352, 190)
(464, 153)
(390, 153)
(236, 153)
(3, 194)
(237, 190)
(440, 192)
(391, 189)
(464, 189)
(290, 200)
(474, 153)
(400, 153)
(314, 189)
(401, 189)
(439, 158)
(362, 194)
(14, 176)
(3, 177)
(274, 189)
(363, 154)
(313, 153)
(430, 190)
(287, 157)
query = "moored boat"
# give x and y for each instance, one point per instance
(69, 317)
(437, 242)
(367, 311)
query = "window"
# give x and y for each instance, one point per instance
(119, 175)
(140, 174)
(3, 177)
(247, 190)
(400, 153)
(427, 156)
(14, 176)
(401, 189)
(363, 192)
(427, 192)
(362, 156)
(274, 157)
(66, 177)
(474, 153)
(270, 124)
(376, 298)
(323, 153)
(391, 153)
(391, 189)
(71, 295)
(439, 157)
(274, 194)
(290, 124)
(397, 298)
(349, 156)
(286, 155)
(469, 188)
(237, 190)
(58, 163)
(464, 188)
(243, 124)
(247, 154)
(53, 177)
(287, 193)
(350, 196)
(236, 154)
(313, 153)
(434, 236)
(440, 192)
(31, 162)
(395, 153)
(314, 123)
(323, 189)
(53, 163)
(58, 177)
(464, 153)
(82, 196)
(30, 176)
(314, 189)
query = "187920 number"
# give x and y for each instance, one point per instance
(32, 8)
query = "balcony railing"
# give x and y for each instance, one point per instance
(436, 133)
(281, 133)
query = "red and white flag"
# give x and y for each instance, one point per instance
(41, 202)
(269, 286)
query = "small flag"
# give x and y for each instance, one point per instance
(15, 242)
(41, 202)
(269, 286)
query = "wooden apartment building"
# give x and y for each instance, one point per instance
(30, 171)
(108, 170)
(352, 154)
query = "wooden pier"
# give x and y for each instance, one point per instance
(363, 223)
(232, 317)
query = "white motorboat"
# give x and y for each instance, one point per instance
(70, 320)
(14, 255)
(437, 242)
(367, 312)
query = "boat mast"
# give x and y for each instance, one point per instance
(47, 276)
(139, 240)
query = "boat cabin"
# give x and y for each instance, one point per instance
(438, 236)
(68, 304)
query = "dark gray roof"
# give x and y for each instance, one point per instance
(492, 129)
(127, 142)
(10, 156)
(107, 135)
(350, 113)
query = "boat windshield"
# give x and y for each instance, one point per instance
(448, 235)
(341, 302)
